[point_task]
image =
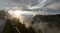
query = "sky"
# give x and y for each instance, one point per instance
(11, 3)
(32, 5)
(35, 3)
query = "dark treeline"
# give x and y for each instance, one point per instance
(52, 20)
(47, 18)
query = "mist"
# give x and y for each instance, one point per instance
(42, 15)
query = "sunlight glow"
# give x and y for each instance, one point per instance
(17, 13)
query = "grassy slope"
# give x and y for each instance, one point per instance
(8, 28)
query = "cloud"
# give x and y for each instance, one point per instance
(32, 5)
(9, 3)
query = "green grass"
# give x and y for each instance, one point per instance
(8, 28)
